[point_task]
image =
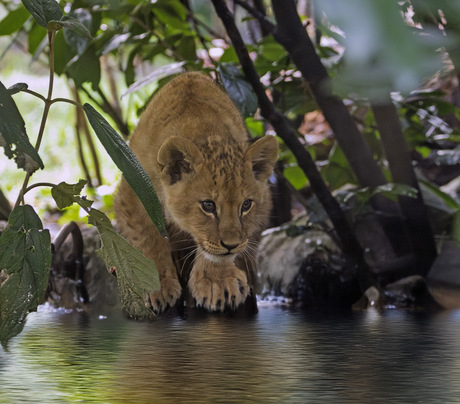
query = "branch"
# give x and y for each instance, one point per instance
(349, 242)
(399, 160)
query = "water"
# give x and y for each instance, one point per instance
(277, 356)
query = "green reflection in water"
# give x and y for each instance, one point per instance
(276, 356)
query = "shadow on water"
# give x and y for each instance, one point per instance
(276, 356)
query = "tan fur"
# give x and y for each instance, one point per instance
(193, 144)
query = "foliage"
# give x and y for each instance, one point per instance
(136, 274)
(25, 259)
(13, 136)
(25, 248)
(102, 46)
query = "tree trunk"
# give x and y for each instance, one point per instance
(414, 209)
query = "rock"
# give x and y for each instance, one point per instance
(410, 292)
(305, 265)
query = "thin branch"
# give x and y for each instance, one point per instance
(39, 184)
(77, 104)
(51, 36)
(35, 94)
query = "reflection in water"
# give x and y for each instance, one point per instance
(276, 356)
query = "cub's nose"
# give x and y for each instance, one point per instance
(229, 247)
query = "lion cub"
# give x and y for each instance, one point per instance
(212, 184)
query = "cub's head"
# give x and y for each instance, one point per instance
(218, 192)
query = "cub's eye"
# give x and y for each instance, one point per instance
(246, 206)
(208, 206)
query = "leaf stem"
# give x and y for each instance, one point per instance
(38, 95)
(35, 94)
(39, 184)
(77, 104)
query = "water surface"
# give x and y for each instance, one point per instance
(279, 355)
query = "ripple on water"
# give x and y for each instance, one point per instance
(279, 355)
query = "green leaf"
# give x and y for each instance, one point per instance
(171, 13)
(25, 260)
(338, 172)
(136, 274)
(130, 166)
(63, 53)
(79, 38)
(295, 176)
(256, 127)
(13, 136)
(293, 97)
(69, 23)
(186, 48)
(229, 56)
(36, 38)
(238, 89)
(66, 195)
(393, 190)
(14, 21)
(43, 11)
(85, 68)
(435, 198)
(164, 71)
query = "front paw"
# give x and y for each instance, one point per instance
(164, 298)
(217, 288)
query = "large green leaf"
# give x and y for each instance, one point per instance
(13, 136)
(172, 13)
(25, 260)
(238, 89)
(136, 274)
(63, 53)
(14, 21)
(130, 166)
(78, 37)
(85, 68)
(43, 11)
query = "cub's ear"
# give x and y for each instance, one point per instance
(263, 154)
(177, 159)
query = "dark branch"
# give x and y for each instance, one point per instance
(399, 160)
